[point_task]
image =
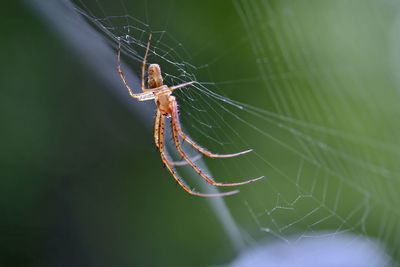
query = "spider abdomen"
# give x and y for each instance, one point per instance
(154, 78)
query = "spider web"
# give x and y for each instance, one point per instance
(316, 97)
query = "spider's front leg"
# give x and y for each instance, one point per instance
(174, 111)
(157, 138)
(159, 130)
(175, 131)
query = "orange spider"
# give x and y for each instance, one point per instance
(167, 107)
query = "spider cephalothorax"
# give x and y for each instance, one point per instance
(167, 107)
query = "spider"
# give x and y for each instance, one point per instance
(168, 107)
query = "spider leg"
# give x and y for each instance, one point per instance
(142, 96)
(184, 162)
(174, 109)
(178, 147)
(157, 129)
(160, 130)
(163, 88)
(144, 61)
(180, 85)
(157, 138)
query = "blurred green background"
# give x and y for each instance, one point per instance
(83, 184)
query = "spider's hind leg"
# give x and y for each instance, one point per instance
(144, 61)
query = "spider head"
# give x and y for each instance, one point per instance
(154, 78)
